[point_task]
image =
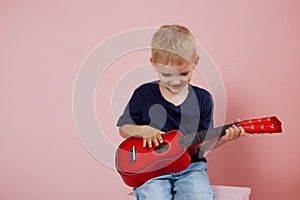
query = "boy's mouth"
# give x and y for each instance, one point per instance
(176, 86)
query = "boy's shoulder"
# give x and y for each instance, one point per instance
(200, 91)
(146, 86)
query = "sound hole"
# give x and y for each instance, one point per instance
(162, 147)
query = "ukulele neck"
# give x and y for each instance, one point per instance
(198, 138)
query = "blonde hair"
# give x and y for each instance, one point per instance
(173, 45)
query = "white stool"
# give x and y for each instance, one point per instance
(231, 192)
(223, 193)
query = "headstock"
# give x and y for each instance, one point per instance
(261, 125)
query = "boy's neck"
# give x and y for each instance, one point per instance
(174, 98)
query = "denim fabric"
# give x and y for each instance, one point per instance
(189, 184)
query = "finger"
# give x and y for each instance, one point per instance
(237, 131)
(149, 141)
(226, 136)
(155, 141)
(242, 131)
(160, 139)
(237, 120)
(234, 133)
(144, 142)
(231, 131)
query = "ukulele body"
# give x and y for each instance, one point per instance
(137, 164)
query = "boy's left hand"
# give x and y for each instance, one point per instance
(233, 132)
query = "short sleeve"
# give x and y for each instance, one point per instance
(133, 111)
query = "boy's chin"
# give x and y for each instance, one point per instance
(176, 90)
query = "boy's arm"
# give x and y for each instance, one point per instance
(149, 134)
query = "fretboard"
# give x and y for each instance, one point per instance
(197, 138)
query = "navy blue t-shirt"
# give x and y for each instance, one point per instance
(147, 106)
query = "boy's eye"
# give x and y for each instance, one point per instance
(166, 74)
(184, 74)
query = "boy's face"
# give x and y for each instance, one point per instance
(175, 78)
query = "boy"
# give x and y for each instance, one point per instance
(172, 103)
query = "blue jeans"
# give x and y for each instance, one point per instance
(189, 184)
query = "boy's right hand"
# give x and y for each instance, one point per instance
(151, 136)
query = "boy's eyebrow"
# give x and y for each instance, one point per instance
(184, 72)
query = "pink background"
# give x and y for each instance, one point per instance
(254, 43)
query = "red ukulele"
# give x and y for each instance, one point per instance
(137, 164)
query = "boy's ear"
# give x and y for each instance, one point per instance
(196, 60)
(153, 64)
